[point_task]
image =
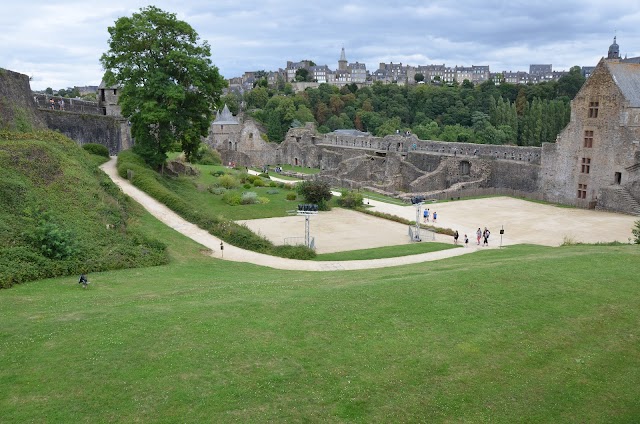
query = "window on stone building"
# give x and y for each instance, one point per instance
(593, 109)
(582, 191)
(586, 165)
(465, 168)
(588, 139)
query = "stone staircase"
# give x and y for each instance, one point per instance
(630, 204)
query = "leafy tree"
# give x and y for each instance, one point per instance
(232, 102)
(418, 77)
(49, 90)
(316, 192)
(636, 232)
(169, 86)
(302, 75)
(569, 85)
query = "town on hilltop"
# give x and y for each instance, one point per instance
(306, 73)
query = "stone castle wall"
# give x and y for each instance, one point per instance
(105, 130)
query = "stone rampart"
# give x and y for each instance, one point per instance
(43, 101)
(105, 130)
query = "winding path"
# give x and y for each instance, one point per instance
(232, 253)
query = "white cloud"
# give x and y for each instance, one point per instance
(60, 42)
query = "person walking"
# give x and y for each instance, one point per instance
(52, 103)
(455, 237)
(425, 215)
(479, 235)
(466, 241)
(435, 216)
(486, 234)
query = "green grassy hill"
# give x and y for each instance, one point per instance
(60, 215)
(520, 334)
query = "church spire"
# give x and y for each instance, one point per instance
(614, 50)
(342, 63)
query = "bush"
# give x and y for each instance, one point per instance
(273, 184)
(228, 181)
(292, 196)
(217, 173)
(47, 236)
(349, 199)
(258, 182)
(96, 149)
(294, 252)
(207, 156)
(315, 192)
(273, 191)
(217, 190)
(636, 232)
(247, 186)
(232, 198)
(249, 198)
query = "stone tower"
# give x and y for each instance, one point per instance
(614, 50)
(342, 63)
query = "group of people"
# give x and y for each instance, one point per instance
(480, 235)
(483, 235)
(52, 104)
(426, 214)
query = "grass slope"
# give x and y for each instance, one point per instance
(53, 194)
(524, 333)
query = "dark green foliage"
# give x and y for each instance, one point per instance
(207, 156)
(96, 149)
(168, 85)
(47, 236)
(316, 192)
(294, 252)
(60, 215)
(292, 196)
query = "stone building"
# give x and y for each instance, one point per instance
(108, 100)
(595, 162)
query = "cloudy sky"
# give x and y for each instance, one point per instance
(59, 42)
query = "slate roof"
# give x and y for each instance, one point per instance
(354, 133)
(225, 118)
(627, 78)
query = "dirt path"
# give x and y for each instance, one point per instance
(232, 253)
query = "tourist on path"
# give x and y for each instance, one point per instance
(435, 216)
(486, 234)
(479, 235)
(466, 241)
(455, 237)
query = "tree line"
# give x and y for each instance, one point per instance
(525, 115)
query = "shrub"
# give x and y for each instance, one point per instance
(292, 196)
(217, 190)
(247, 186)
(207, 156)
(249, 198)
(272, 184)
(228, 181)
(316, 192)
(273, 191)
(96, 149)
(258, 182)
(636, 232)
(217, 173)
(232, 198)
(294, 252)
(349, 199)
(47, 236)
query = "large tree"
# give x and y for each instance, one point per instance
(168, 85)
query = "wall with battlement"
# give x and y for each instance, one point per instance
(43, 101)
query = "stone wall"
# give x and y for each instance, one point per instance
(106, 130)
(42, 101)
(17, 107)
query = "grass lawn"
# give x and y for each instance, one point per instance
(524, 333)
(195, 191)
(385, 252)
